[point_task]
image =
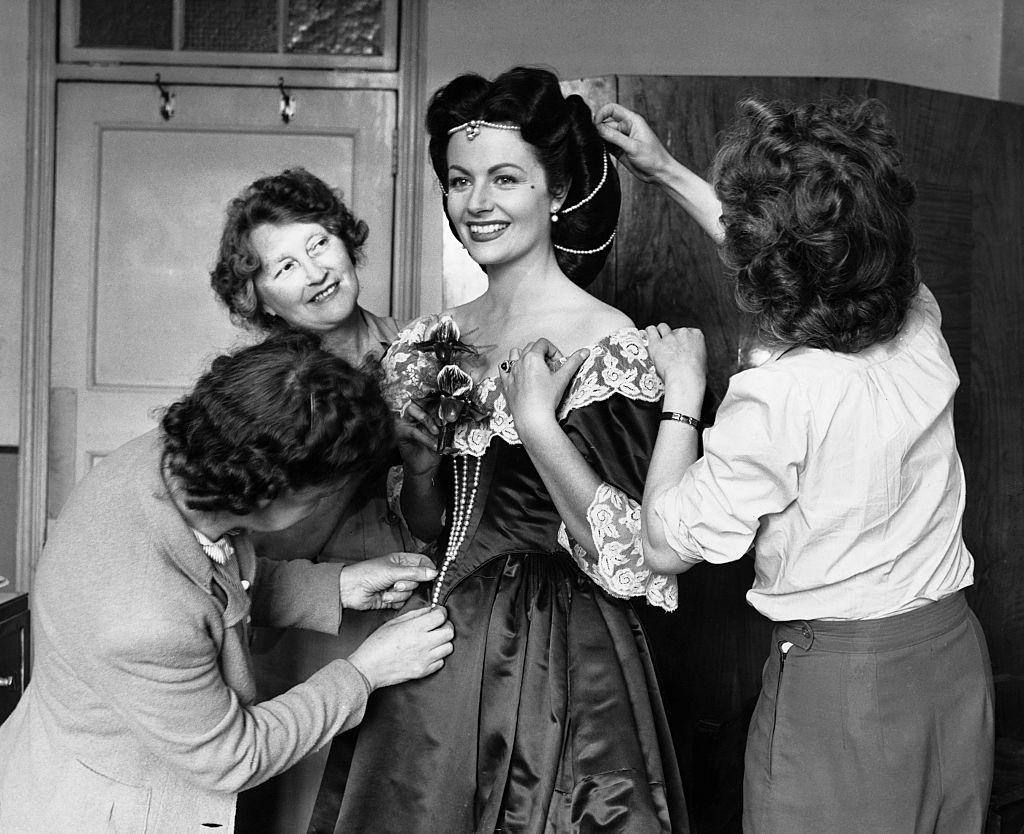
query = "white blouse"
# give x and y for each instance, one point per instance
(842, 471)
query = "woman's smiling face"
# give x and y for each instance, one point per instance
(306, 276)
(498, 196)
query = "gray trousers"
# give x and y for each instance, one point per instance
(873, 726)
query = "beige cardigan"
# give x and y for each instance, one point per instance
(141, 714)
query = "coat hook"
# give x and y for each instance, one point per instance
(166, 100)
(287, 102)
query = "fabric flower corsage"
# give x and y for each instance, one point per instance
(451, 402)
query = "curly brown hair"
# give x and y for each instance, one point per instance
(293, 196)
(817, 232)
(282, 415)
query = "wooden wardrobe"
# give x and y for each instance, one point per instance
(967, 157)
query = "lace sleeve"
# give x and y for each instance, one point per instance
(619, 568)
(611, 415)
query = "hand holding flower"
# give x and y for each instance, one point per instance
(417, 434)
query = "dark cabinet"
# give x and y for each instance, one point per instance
(15, 652)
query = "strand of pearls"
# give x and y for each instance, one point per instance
(596, 249)
(465, 496)
(590, 196)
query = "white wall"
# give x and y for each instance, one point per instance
(952, 45)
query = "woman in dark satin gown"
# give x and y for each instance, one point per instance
(547, 717)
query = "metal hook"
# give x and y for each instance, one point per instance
(166, 100)
(287, 102)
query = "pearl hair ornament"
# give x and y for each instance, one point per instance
(472, 128)
(593, 251)
(589, 197)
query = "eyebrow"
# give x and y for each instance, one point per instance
(492, 169)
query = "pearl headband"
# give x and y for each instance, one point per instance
(472, 128)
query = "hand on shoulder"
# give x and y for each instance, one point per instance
(681, 359)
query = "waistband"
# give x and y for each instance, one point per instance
(883, 634)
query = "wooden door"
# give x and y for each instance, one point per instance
(967, 157)
(139, 205)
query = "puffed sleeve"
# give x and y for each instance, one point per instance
(753, 457)
(611, 415)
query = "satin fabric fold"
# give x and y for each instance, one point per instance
(547, 720)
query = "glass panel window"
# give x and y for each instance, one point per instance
(231, 25)
(135, 24)
(324, 34)
(335, 27)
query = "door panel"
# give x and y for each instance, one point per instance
(139, 206)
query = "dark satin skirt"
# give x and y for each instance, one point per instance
(546, 718)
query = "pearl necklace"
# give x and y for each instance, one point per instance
(465, 496)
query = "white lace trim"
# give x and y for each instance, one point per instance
(619, 569)
(618, 364)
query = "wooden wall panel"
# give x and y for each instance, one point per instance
(994, 452)
(966, 155)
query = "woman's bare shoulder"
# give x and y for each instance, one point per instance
(594, 320)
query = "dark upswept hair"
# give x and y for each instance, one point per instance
(281, 415)
(817, 232)
(568, 147)
(293, 196)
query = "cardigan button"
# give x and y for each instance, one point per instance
(246, 584)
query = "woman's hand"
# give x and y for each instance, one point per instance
(422, 500)
(642, 153)
(410, 646)
(417, 432)
(639, 149)
(681, 359)
(384, 582)
(534, 384)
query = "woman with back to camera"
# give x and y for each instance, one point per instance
(549, 717)
(142, 714)
(837, 460)
(287, 261)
